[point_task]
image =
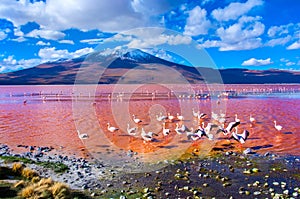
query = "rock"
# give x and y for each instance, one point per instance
(247, 171)
(226, 184)
(122, 197)
(295, 194)
(255, 170)
(247, 193)
(205, 185)
(247, 151)
(256, 193)
(266, 154)
(275, 183)
(286, 192)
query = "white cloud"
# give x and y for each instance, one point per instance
(66, 42)
(3, 35)
(10, 64)
(279, 30)
(41, 43)
(290, 63)
(92, 41)
(104, 15)
(19, 39)
(248, 44)
(257, 62)
(243, 35)
(294, 46)
(197, 23)
(46, 34)
(235, 10)
(279, 41)
(52, 54)
(159, 40)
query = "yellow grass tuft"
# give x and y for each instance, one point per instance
(45, 181)
(45, 188)
(35, 179)
(60, 190)
(17, 168)
(27, 192)
(29, 173)
(20, 184)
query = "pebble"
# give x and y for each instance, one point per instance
(256, 193)
(286, 192)
(295, 194)
(247, 193)
(275, 183)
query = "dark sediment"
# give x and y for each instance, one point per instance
(221, 175)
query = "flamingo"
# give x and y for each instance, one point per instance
(111, 128)
(148, 137)
(201, 116)
(241, 137)
(131, 131)
(190, 133)
(165, 131)
(252, 119)
(83, 136)
(161, 117)
(179, 117)
(195, 114)
(136, 120)
(229, 128)
(278, 127)
(237, 119)
(180, 130)
(170, 117)
(214, 116)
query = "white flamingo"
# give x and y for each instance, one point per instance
(148, 137)
(252, 119)
(237, 119)
(179, 117)
(241, 137)
(112, 129)
(201, 116)
(195, 114)
(161, 117)
(83, 135)
(229, 128)
(131, 131)
(170, 117)
(277, 127)
(165, 131)
(136, 120)
(180, 130)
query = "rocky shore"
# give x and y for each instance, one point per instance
(225, 174)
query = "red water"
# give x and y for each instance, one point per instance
(55, 119)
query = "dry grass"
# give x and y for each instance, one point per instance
(20, 184)
(29, 173)
(17, 168)
(35, 179)
(46, 188)
(60, 190)
(27, 192)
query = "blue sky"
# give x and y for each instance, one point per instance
(253, 34)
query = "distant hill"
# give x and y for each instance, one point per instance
(146, 66)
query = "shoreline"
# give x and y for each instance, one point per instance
(221, 174)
